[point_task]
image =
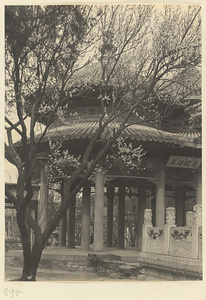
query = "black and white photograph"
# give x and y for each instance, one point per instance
(102, 144)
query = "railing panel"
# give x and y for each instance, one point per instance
(155, 240)
(180, 242)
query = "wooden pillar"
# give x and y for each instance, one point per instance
(110, 203)
(153, 189)
(85, 234)
(99, 212)
(179, 205)
(121, 217)
(140, 219)
(199, 186)
(160, 196)
(71, 223)
(63, 224)
(43, 201)
(63, 230)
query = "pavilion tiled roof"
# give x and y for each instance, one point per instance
(192, 135)
(86, 129)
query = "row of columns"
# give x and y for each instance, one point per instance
(67, 223)
(99, 217)
(99, 211)
(180, 196)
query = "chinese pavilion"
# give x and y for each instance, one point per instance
(167, 188)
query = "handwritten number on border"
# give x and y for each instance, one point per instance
(12, 292)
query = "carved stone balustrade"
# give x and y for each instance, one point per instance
(197, 214)
(148, 216)
(170, 215)
(189, 219)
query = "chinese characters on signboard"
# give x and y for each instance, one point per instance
(184, 162)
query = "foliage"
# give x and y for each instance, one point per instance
(124, 156)
(121, 157)
(60, 162)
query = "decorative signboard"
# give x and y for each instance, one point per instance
(184, 162)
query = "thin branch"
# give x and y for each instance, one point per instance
(12, 152)
(13, 126)
(190, 25)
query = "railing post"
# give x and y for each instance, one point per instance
(197, 222)
(170, 222)
(147, 223)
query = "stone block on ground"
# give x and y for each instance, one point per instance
(128, 271)
(106, 265)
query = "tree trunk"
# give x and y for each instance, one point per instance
(32, 256)
(26, 273)
(36, 256)
(31, 261)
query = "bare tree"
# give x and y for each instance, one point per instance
(132, 57)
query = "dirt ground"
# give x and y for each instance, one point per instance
(55, 275)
